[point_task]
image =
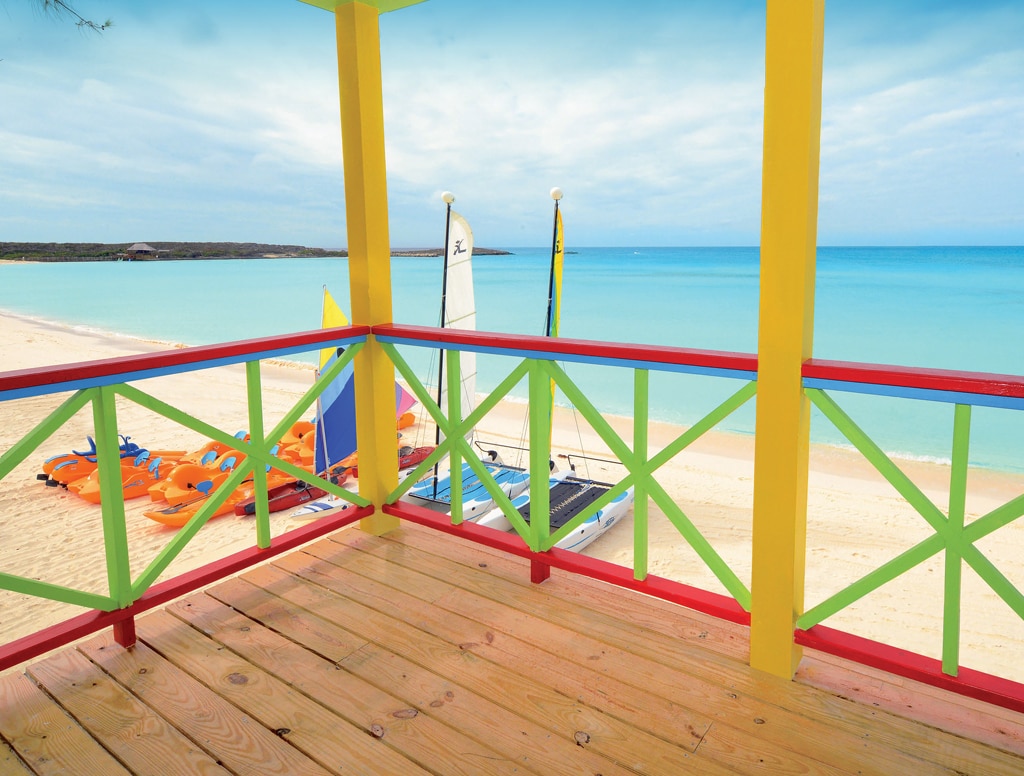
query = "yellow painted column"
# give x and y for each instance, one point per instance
(369, 248)
(789, 218)
(369, 243)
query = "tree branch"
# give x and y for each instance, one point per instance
(60, 6)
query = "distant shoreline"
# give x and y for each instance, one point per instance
(189, 251)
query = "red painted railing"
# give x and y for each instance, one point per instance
(41, 380)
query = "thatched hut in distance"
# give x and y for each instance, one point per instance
(140, 251)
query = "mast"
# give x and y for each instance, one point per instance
(551, 325)
(448, 198)
(554, 294)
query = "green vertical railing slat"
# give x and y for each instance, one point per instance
(641, 410)
(453, 378)
(540, 407)
(258, 450)
(115, 530)
(30, 442)
(872, 581)
(873, 453)
(952, 587)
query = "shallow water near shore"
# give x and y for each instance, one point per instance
(949, 308)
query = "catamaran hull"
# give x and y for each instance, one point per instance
(475, 499)
(588, 531)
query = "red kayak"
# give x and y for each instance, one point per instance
(407, 458)
(290, 494)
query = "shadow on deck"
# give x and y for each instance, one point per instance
(416, 653)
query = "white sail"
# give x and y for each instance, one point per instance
(460, 307)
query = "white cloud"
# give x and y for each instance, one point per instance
(650, 120)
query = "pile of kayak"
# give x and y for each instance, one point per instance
(140, 468)
(179, 483)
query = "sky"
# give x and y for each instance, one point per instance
(218, 121)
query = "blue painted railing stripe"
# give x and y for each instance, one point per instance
(543, 355)
(144, 374)
(924, 394)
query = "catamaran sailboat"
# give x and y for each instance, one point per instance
(458, 311)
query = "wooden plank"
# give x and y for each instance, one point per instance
(727, 638)
(321, 735)
(10, 763)
(224, 731)
(456, 658)
(43, 735)
(823, 721)
(633, 705)
(135, 734)
(417, 735)
(442, 691)
(606, 604)
(741, 716)
(958, 714)
(558, 663)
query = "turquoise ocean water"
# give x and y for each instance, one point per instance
(949, 308)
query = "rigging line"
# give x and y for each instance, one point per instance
(444, 302)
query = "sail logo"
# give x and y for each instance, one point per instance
(459, 248)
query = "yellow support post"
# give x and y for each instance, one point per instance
(369, 244)
(789, 220)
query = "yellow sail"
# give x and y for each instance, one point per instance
(332, 317)
(555, 290)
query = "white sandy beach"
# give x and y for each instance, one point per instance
(856, 521)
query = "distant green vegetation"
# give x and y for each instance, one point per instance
(165, 251)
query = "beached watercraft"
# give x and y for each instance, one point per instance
(138, 474)
(569, 496)
(476, 500)
(212, 450)
(188, 480)
(458, 311)
(179, 514)
(324, 504)
(407, 458)
(66, 468)
(290, 494)
(79, 463)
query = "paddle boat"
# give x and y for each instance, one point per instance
(138, 474)
(66, 468)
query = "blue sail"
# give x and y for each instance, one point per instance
(336, 420)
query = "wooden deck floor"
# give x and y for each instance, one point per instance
(421, 653)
